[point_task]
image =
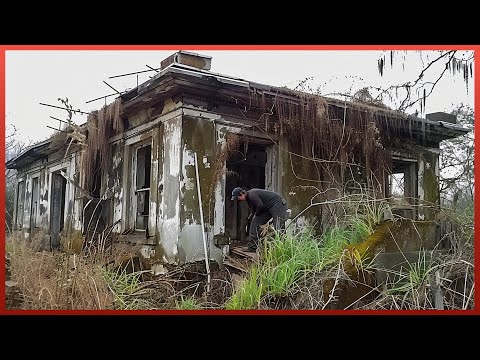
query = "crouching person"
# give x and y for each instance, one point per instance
(264, 205)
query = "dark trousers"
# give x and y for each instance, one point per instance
(279, 214)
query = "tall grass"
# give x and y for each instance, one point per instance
(55, 280)
(287, 258)
(249, 294)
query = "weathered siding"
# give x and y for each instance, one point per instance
(198, 136)
(299, 185)
(169, 222)
(428, 186)
(116, 183)
(42, 171)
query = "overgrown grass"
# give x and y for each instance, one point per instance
(127, 289)
(249, 294)
(294, 271)
(284, 260)
(187, 303)
(50, 281)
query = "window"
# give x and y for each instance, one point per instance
(34, 204)
(20, 200)
(403, 182)
(143, 164)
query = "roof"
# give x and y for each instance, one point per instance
(175, 73)
(438, 130)
(35, 152)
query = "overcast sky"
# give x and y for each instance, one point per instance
(44, 76)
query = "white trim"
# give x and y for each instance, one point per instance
(147, 126)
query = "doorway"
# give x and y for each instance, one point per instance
(246, 169)
(59, 187)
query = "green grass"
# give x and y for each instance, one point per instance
(286, 258)
(414, 277)
(249, 293)
(126, 288)
(188, 303)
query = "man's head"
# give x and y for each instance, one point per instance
(239, 194)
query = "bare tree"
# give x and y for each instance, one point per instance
(13, 147)
(415, 92)
(457, 168)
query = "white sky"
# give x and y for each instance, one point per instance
(44, 76)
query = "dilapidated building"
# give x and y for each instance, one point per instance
(132, 168)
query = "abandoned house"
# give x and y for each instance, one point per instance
(133, 167)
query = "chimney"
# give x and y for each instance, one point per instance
(198, 61)
(441, 116)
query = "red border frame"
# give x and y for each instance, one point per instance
(4, 48)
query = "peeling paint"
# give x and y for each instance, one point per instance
(421, 171)
(147, 252)
(170, 105)
(174, 133)
(174, 214)
(158, 269)
(219, 212)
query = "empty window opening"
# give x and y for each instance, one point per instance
(245, 169)
(143, 161)
(20, 200)
(397, 185)
(402, 187)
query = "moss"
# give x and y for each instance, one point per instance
(388, 237)
(296, 187)
(429, 182)
(406, 235)
(198, 136)
(430, 185)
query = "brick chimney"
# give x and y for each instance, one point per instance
(198, 61)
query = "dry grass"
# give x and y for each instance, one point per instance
(58, 280)
(116, 278)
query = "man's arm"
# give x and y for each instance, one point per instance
(256, 203)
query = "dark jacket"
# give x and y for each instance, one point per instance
(261, 200)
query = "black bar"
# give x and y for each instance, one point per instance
(111, 87)
(58, 107)
(101, 97)
(133, 73)
(66, 122)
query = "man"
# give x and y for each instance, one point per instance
(265, 205)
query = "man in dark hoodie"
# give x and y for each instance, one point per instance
(265, 205)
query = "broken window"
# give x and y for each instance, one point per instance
(20, 199)
(143, 164)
